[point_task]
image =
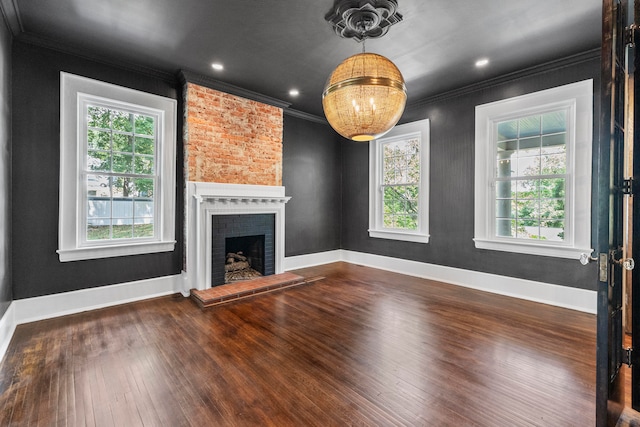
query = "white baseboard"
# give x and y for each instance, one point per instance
(7, 328)
(49, 306)
(310, 260)
(557, 295)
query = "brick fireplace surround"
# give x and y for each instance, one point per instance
(233, 166)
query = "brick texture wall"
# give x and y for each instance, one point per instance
(231, 140)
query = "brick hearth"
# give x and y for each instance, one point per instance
(248, 288)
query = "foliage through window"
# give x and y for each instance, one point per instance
(399, 171)
(401, 184)
(120, 174)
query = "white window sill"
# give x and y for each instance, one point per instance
(532, 248)
(399, 235)
(110, 251)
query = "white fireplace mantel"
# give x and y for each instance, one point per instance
(207, 199)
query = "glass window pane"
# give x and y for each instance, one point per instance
(552, 188)
(122, 231)
(505, 227)
(144, 125)
(528, 166)
(507, 130)
(98, 139)
(122, 142)
(554, 164)
(552, 230)
(122, 121)
(122, 208)
(122, 163)
(529, 147)
(98, 186)
(121, 187)
(142, 188)
(552, 208)
(527, 211)
(99, 160)
(98, 231)
(505, 208)
(143, 209)
(143, 230)
(528, 189)
(144, 145)
(98, 210)
(553, 144)
(98, 117)
(554, 122)
(506, 148)
(505, 189)
(504, 168)
(143, 165)
(401, 162)
(400, 204)
(529, 126)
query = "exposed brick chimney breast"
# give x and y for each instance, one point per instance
(231, 140)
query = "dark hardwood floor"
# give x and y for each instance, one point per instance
(360, 347)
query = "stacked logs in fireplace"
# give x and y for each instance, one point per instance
(238, 268)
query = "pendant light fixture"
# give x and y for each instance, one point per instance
(365, 95)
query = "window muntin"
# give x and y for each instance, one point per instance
(401, 183)
(119, 173)
(398, 183)
(530, 177)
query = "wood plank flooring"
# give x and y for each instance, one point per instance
(360, 347)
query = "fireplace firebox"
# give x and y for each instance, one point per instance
(248, 240)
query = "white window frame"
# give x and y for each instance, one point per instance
(577, 99)
(418, 129)
(75, 93)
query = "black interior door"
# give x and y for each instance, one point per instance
(609, 195)
(635, 217)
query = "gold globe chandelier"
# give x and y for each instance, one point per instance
(365, 95)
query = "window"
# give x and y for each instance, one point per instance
(117, 170)
(398, 189)
(533, 172)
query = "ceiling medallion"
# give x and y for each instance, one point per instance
(363, 19)
(365, 95)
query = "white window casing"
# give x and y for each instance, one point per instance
(420, 130)
(577, 100)
(76, 93)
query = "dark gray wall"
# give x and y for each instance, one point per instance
(452, 120)
(35, 175)
(311, 174)
(5, 168)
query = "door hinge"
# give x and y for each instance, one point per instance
(603, 267)
(627, 186)
(629, 33)
(627, 354)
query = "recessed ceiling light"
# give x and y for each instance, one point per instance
(217, 66)
(294, 92)
(482, 62)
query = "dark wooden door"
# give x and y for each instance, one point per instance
(610, 193)
(633, 155)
